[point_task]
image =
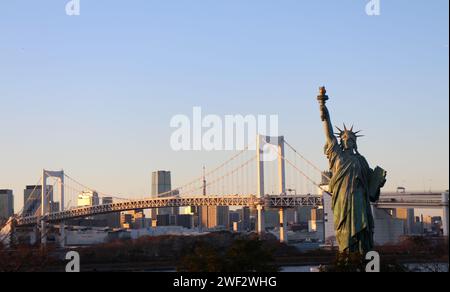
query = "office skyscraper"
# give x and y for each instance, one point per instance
(244, 215)
(112, 219)
(6, 204)
(235, 217)
(215, 216)
(161, 187)
(88, 198)
(161, 183)
(32, 198)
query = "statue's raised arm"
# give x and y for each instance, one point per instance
(325, 116)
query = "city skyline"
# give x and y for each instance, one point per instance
(76, 98)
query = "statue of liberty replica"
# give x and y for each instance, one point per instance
(353, 186)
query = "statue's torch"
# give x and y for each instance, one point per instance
(322, 98)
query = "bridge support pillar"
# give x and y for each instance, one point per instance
(43, 234)
(281, 167)
(35, 238)
(283, 229)
(44, 207)
(260, 182)
(445, 213)
(261, 226)
(62, 234)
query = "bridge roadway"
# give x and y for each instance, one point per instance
(387, 201)
(412, 200)
(288, 201)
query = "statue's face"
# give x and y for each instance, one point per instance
(348, 142)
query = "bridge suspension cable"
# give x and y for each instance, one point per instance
(29, 197)
(228, 178)
(20, 213)
(190, 185)
(87, 188)
(37, 212)
(184, 189)
(307, 160)
(233, 171)
(301, 172)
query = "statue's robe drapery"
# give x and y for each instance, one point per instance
(352, 194)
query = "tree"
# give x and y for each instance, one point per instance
(355, 262)
(243, 255)
(204, 258)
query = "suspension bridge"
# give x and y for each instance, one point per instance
(255, 179)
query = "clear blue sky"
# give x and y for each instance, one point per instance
(94, 94)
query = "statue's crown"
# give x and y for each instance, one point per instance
(348, 132)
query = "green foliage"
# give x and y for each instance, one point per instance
(346, 262)
(356, 263)
(25, 259)
(204, 258)
(244, 255)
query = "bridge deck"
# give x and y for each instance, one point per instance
(234, 200)
(281, 201)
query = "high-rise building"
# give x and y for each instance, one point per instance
(235, 217)
(291, 216)
(163, 220)
(304, 214)
(161, 182)
(223, 216)
(316, 214)
(126, 220)
(316, 224)
(272, 218)
(408, 216)
(161, 187)
(244, 215)
(32, 198)
(246, 218)
(6, 204)
(388, 229)
(88, 198)
(328, 220)
(215, 216)
(112, 219)
(185, 220)
(107, 200)
(139, 220)
(142, 223)
(134, 219)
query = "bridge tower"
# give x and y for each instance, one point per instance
(271, 149)
(445, 213)
(45, 204)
